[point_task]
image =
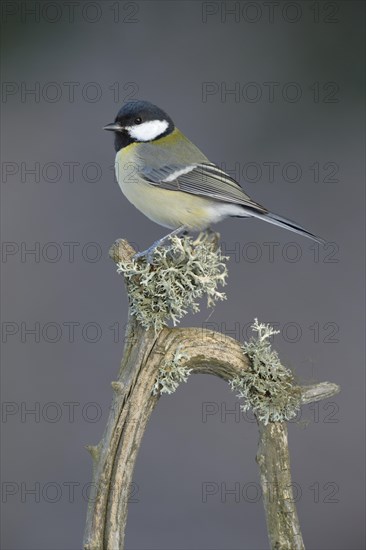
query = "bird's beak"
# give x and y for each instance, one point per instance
(114, 127)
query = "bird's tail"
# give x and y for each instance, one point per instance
(287, 224)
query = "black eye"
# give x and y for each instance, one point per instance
(138, 120)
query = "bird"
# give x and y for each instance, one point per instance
(165, 176)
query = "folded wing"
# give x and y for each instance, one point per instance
(204, 179)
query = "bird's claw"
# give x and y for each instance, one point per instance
(148, 254)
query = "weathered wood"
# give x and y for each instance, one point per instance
(115, 456)
(274, 464)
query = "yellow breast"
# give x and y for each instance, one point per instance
(170, 209)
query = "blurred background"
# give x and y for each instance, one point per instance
(271, 91)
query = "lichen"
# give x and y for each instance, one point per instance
(171, 374)
(178, 274)
(268, 387)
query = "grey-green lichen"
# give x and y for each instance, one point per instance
(176, 277)
(267, 386)
(172, 373)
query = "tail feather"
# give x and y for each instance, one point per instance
(287, 224)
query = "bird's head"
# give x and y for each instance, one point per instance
(139, 121)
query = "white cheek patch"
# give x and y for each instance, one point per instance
(148, 131)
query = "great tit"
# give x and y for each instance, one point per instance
(165, 176)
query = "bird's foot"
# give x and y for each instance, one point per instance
(149, 252)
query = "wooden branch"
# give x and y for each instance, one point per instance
(133, 402)
(274, 464)
(317, 392)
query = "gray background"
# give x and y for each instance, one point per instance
(166, 55)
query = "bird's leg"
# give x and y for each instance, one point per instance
(150, 251)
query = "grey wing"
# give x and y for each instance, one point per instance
(204, 179)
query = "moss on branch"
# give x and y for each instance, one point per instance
(172, 373)
(179, 275)
(268, 387)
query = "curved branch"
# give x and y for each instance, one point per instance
(133, 402)
(207, 352)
